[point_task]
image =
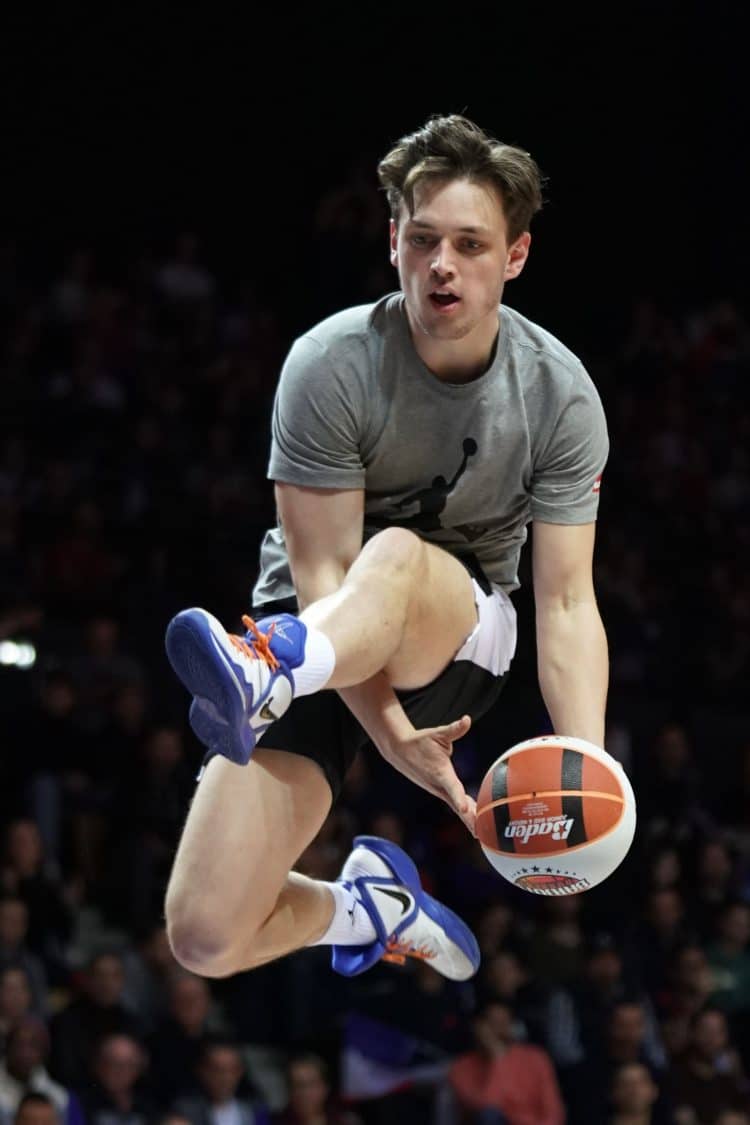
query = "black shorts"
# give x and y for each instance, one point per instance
(321, 727)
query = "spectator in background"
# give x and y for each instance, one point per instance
(686, 992)
(149, 815)
(311, 1100)
(729, 958)
(713, 886)
(36, 1109)
(102, 668)
(14, 951)
(708, 1078)
(96, 1012)
(117, 1065)
(16, 1000)
(180, 1037)
(578, 1016)
(665, 868)
(59, 749)
(669, 794)
(515, 1080)
(220, 1074)
(626, 1039)
(23, 1071)
(24, 874)
(506, 978)
(654, 941)
(556, 948)
(634, 1096)
(126, 729)
(496, 928)
(149, 965)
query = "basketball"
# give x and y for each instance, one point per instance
(555, 816)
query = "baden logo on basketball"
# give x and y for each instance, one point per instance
(557, 827)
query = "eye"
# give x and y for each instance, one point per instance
(419, 240)
(472, 244)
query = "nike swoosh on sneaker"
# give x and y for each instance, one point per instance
(266, 713)
(401, 897)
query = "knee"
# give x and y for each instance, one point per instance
(206, 944)
(395, 548)
(201, 948)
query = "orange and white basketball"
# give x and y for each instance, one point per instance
(555, 816)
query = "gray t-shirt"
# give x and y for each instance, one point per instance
(466, 466)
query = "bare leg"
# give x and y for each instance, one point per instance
(405, 607)
(231, 902)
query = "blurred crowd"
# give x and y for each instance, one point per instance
(136, 395)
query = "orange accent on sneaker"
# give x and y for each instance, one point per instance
(259, 646)
(397, 951)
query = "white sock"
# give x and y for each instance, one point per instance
(317, 667)
(351, 924)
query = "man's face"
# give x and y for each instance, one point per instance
(26, 1050)
(220, 1072)
(14, 923)
(190, 1002)
(634, 1090)
(118, 1064)
(36, 1113)
(308, 1089)
(105, 981)
(627, 1025)
(710, 1035)
(453, 257)
(15, 994)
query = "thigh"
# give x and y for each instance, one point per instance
(473, 681)
(246, 828)
(441, 616)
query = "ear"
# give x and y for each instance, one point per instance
(394, 243)
(517, 255)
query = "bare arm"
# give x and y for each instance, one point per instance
(571, 643)
(323, 534)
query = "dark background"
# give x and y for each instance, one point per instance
(122, 127)
(122, 130)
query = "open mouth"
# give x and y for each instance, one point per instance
(444, 300)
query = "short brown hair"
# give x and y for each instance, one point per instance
(449, 148)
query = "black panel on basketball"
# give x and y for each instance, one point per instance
(572, 807)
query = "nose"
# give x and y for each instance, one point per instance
(442, 261)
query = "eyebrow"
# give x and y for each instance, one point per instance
(463, 230)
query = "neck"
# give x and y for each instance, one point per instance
(638, 1117)
(457, 361)
(123, 1099)
(624, 1052)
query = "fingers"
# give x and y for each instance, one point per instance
(460, 727)
(462, 804)
(451, 732)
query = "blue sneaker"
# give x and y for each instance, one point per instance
(241, 684)
(408, 921)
